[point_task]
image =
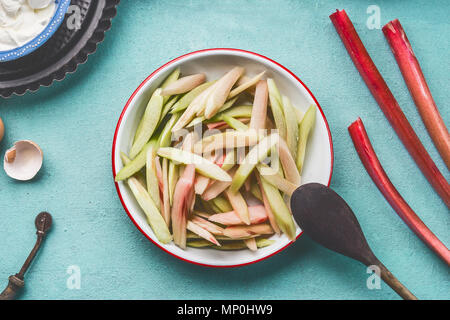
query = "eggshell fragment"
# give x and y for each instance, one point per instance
(23, 161)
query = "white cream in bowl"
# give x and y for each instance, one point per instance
(22, 20)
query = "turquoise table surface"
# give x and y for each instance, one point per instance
(74, 121)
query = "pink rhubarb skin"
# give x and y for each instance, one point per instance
(181, 203)
(417, 85)
(388, 104)
(375, 170)
(257, 215)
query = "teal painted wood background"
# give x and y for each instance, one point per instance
(74, 122)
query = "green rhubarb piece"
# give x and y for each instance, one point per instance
(235, 112)
(229, 160)
(136, 164)
(228, 104)
(305, 128)
(165, 138)
(234, 123)
(139, 175)
(222, 204)
(263, 242)
(186, 100)
(291, 125)
(257, 154)
(173, 76)
(256, 192)
(279, 208)
(152, 178)
(154, 217)
(202, 165)
(277, 109)
(229, 245)
(196, 121)
(149, 123)
(168, 106)
(173, 178)
(198, 243)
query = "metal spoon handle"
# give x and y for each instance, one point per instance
(12, 289)
(43, 223)
(16, 282)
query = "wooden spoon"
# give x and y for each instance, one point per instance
(327, 219)
(16, 282)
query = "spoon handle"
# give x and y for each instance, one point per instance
(393, 282)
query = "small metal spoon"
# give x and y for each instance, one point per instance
(16, 282)
(328, 220)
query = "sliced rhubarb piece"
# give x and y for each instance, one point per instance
(257, 154)
(256, 192)
(244, 86)
(186, 100)
(388, 104)
(196, 106)
(418, 87)
(171, 78)
(165, 138)
(230, 160)
(173, 177)
(167, 107)
(269, 212)
(150, 120)
(205, 234)
(239, 205)
(291, 125)
(139, 175)
(251, 244)
(151, 176)
(180, 207)
(201, 183)
(184, 84)
(136, 164)
(228, 140)
(252, 230)
(166, 201)
(203, 166)
(222, 204)
(202, 214)
(154, 217)
(275, 179)
(288, 163)
(209, 226)
(277, 109)
(375, 170)
(227, 105)
(238, 125)
(215, 189)
(257, 214)
(280, 210)
(305, 128)
(217, 98)
(259, 112)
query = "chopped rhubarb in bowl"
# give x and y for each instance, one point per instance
(317, 164)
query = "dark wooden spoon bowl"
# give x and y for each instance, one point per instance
(328, 220)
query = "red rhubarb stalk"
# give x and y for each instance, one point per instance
(375, 170)
(417, 85)
(388, 104)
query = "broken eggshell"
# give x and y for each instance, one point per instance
(23, 161)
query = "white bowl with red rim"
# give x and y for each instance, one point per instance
(215, 62)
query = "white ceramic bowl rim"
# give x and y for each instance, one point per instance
(143, 84)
